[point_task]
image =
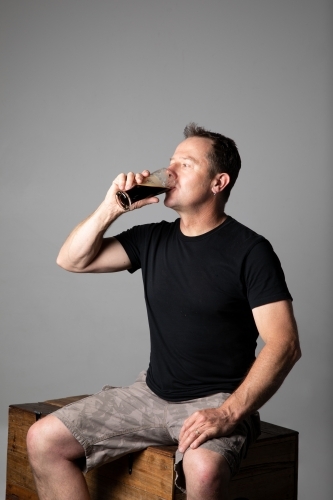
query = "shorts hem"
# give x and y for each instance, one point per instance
(73, 430)
(179, 473)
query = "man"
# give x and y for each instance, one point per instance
(211, 285)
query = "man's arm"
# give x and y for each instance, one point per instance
(277, 327)
(86, 250)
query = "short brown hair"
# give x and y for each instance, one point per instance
(224, 156)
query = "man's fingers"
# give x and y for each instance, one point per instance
(194, 438)
(192, 432)
(145, 173)
(141, 177)
(190, 424)
(142, 203)
(130, 180)
(204, 436)
(126, 181)
(120, 181)
(201, 426)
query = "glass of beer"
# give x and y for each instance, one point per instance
(158, 182)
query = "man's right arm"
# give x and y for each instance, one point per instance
(86, 250)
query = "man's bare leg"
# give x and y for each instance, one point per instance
(207, 475)
(52, 451)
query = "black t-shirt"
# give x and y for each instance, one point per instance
(200, 292)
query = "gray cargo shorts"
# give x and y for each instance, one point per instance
(121, 420)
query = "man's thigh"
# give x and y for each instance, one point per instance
(116, 421)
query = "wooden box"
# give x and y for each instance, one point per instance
(269, 472)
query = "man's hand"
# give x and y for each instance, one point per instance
(204, 425)
(124, 182)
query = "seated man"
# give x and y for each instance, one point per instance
(211, 287)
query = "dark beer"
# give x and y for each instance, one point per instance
(158, 182)
(138, 192)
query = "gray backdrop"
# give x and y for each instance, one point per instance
(90, 89)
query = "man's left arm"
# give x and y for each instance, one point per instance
(277, 327)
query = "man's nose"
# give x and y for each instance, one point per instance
(172, 170)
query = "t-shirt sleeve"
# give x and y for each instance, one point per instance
(264, 277)
(131, 241)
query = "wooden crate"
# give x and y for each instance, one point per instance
(269, 472)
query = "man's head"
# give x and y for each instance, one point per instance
(223, 157)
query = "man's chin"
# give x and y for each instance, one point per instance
(170, 200)
(167, 200)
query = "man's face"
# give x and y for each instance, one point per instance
(190, 167)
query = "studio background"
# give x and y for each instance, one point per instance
(91, 89)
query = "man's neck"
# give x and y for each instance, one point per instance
(200, 223)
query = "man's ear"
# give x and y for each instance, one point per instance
(220, 182)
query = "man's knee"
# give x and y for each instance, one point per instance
(207, 474)
(49, 439)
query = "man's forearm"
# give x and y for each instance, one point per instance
(85, 241)
(262, 381)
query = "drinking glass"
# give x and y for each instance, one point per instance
(158, 182)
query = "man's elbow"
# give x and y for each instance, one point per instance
(64, 264)
(61, 262)
(295, 352)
